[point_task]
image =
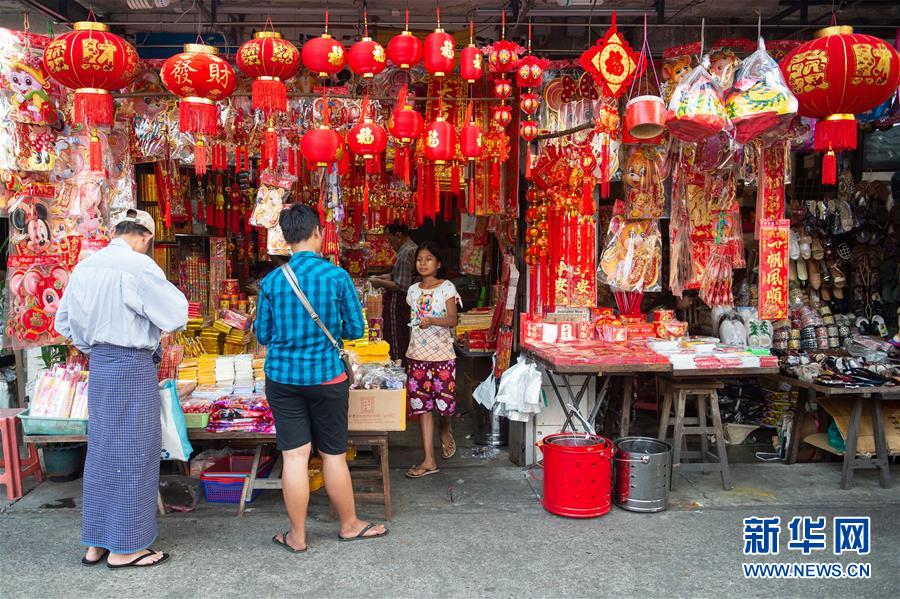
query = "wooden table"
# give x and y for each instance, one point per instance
(873, 396)
(363, 470)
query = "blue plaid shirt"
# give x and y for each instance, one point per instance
(298, 352)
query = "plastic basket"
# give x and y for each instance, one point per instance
(39, 425)
(196, 420)
(223, 482)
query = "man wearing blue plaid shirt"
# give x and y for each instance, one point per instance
(306, 385)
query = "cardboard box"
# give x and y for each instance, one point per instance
(376, 410)
(841, 408)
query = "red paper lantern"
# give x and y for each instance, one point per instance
(271, 61)
(471, 141)
(367, 58)
(200, 78)
(471, 64)
(405, 50)
(440, 53)
(529, 103)
(367, 139)
(503, 56)
(529, 130)
(93, 62)
(320, 147)
(324, 55)
(502, 89)
(440, 141)
(406, 124)
(835, 76)
(502, 115)
(530, 71)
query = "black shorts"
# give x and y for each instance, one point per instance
(317, 413)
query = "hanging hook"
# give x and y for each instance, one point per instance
(758, 25)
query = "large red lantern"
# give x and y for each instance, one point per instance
(440, 141)
(440, 51)
(471, 60)
(271, 61)
(324, 55)
(835, 76)
(367, 57)
(405, 50)
(471, 141)
(93, 62)
(200, 77)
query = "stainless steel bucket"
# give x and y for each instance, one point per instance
(643, 467)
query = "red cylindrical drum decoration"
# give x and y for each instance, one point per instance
(440, 53)
(529, 103)
(645, 117)
(93, 62)
(577, 474)
(200, 78)
(440, 141)
(271, 61)
(367, 139)
(502, 89)
(404, 50)
(471, 141)
(324, 55)
(837, 75)
(367, 57)
(471, 64)
(320, 147)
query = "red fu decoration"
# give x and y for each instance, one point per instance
(611, 62)
(324, 55)
(405, 50)
(271, 61)
(835, 76)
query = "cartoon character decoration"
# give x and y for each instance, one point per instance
(35, 293)
(28, 86)
(31, 221)
(723, 64)
(632, 257)
(34, 147)
(643, 179)
(678, 62)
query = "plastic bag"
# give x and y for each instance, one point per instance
(697, 110)
(761, 103)
(273, 194)
(520, 391)
(715, 285)
(632, 256)
(175, 444)
(486, 392)
(643, 176)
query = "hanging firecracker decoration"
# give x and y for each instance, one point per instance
(529, 103)
(502, 115)
(367, 140)
(324, 55)
(271, 61)
(440, 50)
(366, 57)
(528, 130)
(200, 77)
(405, 50)
(471, 60)
(406, 126)
(93, 62)
(611, 62)
(835, 76)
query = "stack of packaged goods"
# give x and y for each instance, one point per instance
(206, 371)
(243, 374)
(247, 413)
(225, 373)
(259, 374)
(61, 392)
(188, 370)
(211, 340)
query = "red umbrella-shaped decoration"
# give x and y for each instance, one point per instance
(471, 60)
(835, 76)
(440, 50)
(367, 57)
(200, 77)
(271, 61)
(405, 50)
(406, 126)
(367, 140)
(93, 62)
(324, 55)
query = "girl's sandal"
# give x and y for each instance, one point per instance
(448, 450)
(416, 472)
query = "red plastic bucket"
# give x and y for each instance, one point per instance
(577, 474)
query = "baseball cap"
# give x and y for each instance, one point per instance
(137, 216)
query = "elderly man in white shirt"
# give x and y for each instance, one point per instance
(115, 307)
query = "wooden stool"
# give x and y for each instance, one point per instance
(14, 467)
(705, 393)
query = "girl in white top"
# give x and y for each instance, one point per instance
(431, 360)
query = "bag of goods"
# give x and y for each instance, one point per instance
(724, 62)
(697, 110)
(643, 177)
(761, 102)
(715, 286)
(677, 64)
(632, 257)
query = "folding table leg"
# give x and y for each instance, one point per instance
(850, 444)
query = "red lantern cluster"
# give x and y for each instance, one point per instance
(271, 61)
(835, 76)
(200, 77)
(93, 62)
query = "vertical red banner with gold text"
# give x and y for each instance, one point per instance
(773, 268)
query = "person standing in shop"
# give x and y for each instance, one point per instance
(431, 358)
(306, 384)
(115, 307)
(396, 284)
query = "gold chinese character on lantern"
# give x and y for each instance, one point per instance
(433, 140)
(378, 54)
(806, 71)
(365, 136)
(873, 64)
(218, 74)
(336, 56)
(54, 56)
(250, 54)
(281, 52)
(97, 55)
(447, 50)
(181, 71)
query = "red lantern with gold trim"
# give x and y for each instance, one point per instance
(320, 146)
(528, 130)
(471, 60)
(502, 89)
(530, 71)
(529, 103)
(440, 51)
(503, 56)
(271, 61)
(200, 77)
(324, 55)
(367, 138)
(93, 62)
(367, 57)
(440, 141)
(405, 50)
(835, 76)
(471, 141)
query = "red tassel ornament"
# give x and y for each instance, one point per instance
(829, 168)
(96, 153)
(200, 157)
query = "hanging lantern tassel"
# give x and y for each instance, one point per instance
(528, 161)
(292, 164)
(238, 153)
(366, 198)
(454, 178)
(829, 168)
(587, 196)
(420, 193)
(604, 172)
(400, 162)
(200, 157)
(269, 92)
(495, 174)
(472, 176)
(96, 153)
(271, 147)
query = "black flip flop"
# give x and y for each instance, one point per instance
(135, 562)
(283, 543)
(93, 562)
(362, 534)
